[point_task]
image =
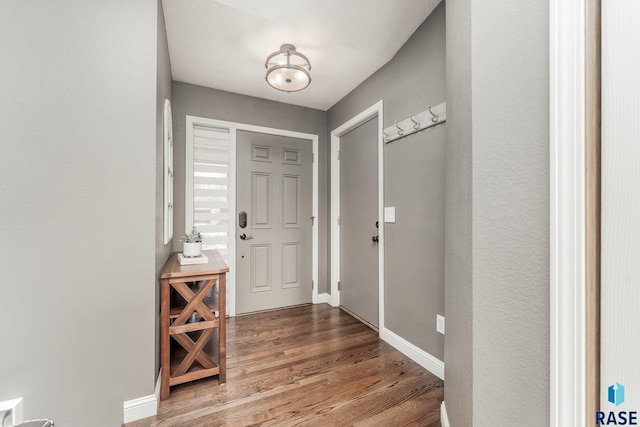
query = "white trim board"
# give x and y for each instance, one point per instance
(424, 120)
(376, 110)
(421, 357)
(444, 417)
(158, 384)
(567, 213)
(142, 407)
(233, 127)
(323, 298)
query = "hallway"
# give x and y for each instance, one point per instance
(307, 365)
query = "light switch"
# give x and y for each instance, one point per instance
(440, 324)
(390, 214)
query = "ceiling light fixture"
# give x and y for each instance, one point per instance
(287, 69)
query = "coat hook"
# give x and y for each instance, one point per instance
(400, 130)
(434, 119)
(416, 124)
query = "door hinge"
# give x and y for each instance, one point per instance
(313, 157)
(313, 221)
(339, 285)
(313, 284)
(338, 154)
(338, 220)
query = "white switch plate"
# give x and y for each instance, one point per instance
(390, 214)
(440, 324)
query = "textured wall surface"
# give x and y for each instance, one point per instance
(510, 102)
(414, 182)
(497, 275)
(163, 91)
(215, 104)
(77, 184)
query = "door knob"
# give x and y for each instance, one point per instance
(375, 239)
(245, 237)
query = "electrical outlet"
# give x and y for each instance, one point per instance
(11, 412)
(440, 324)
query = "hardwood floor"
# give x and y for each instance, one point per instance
(312, 365)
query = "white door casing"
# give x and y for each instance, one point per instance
(567, 213)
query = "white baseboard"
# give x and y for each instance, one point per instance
(334, 299)
(322, 299)
(157, 390)
(142, 407)
(444, 418)
(424, 359)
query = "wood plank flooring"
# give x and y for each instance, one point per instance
(312, 365)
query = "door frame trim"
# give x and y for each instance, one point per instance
(376, 110)
(233, 127)
(567, 213)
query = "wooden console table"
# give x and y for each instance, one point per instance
(192, 310)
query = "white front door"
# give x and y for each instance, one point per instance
(273, 224)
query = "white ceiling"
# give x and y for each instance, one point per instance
(223, 43)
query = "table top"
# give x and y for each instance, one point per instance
(172, 267)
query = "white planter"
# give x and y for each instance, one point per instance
(192, 249)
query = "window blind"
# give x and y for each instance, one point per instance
(211, 187)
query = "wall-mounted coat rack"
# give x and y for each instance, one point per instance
(433, 115)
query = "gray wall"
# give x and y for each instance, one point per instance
(414, 182)
(77, 184)
(510, 104)
(215, 104)
(458, 297)
(499, 87)
(163, 91)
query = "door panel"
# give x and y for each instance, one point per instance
(291, 265)
(260, 268)
(260, 200)
(358, 216)
(291, 201)
(274, 187)
(291, 156)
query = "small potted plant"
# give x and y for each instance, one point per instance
(192, 243)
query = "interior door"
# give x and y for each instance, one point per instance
(273, 228)
(358, 221)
